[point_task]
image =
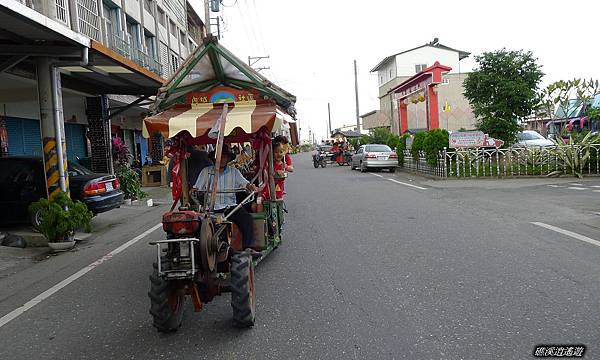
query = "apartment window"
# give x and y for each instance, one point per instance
(148, 6)
(420, 67)
(191, 45)
(163, 53)
(132, 32)
(111, 19)
(161, 17)
(174, 62)
(390, 73)
(173, 28)
(149, 42)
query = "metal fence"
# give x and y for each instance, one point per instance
(124, 47)
(573, 160)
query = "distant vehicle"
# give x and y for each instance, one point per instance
(374, 156)
(321, 155)
(530, 138)
(22, 181)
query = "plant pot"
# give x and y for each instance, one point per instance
(61, 246)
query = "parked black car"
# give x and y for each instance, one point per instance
(22, 181)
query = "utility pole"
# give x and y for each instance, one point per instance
(356, 95)
(252, 60)
(329, 122)
(206, 18)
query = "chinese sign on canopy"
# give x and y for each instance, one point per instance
(221, 95)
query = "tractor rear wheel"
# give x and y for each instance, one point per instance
(242, 289)
(166, 307)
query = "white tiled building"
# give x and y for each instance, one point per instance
(397, 68)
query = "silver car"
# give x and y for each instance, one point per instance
(374, 156)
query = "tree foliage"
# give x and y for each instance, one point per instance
(503, 90)
(435, 141)
(566, 95)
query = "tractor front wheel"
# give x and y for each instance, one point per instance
(242, 289)
(166, 307)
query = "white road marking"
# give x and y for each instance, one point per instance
(406, 184)
(596, 186)
(575, 184)
(400, 182)
(596, 190)
(557, 186)
(576, 188)
(46, 294)
(568, 233)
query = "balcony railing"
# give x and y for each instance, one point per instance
(124, 48)
(89, 23)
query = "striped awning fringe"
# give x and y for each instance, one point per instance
(198, 119)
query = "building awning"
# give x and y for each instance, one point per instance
(243, 119)
(111, 73)
(26, 34)
(347, 134)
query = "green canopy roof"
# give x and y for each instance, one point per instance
(212, 65)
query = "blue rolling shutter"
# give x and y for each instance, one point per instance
(75, 138)
(14, 128)
(32, 140)
(23, 136)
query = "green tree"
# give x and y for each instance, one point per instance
(418, 143)
(435, 141)
(503, 90)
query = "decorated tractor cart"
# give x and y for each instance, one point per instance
(215, 99)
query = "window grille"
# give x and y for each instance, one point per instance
(62, 14)
(88, 15)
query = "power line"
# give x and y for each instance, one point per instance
(232, 5)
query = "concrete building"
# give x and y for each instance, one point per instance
(396, 69)
(373, 120)
(79, 71)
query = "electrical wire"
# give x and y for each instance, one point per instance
(232, 5)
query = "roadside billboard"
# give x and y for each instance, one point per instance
(472, 139)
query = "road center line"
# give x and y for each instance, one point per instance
(568, 233)
(46, 294)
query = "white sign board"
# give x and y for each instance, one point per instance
(473, 139)
(467, 139)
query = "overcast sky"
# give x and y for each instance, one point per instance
(312, 43)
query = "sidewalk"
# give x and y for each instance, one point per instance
(14, 259)
(485, 182)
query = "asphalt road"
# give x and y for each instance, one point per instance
(370, 269)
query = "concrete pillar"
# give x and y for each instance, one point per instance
(52, 127)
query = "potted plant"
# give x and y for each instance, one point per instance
(60, 218)
(129, 178)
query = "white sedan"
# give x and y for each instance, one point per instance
(373, 156)
(530, 138)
